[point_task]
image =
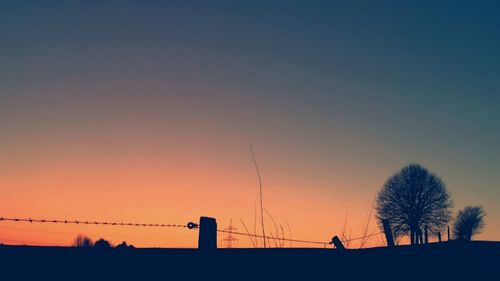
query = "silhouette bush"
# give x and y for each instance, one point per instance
(413, 198)
(102, 244)
(124, 245)
(82, 241)
(469, 222)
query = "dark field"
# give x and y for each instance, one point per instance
(461, 261)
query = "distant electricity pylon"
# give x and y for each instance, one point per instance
(229, 241)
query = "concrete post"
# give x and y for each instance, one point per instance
(207, 237)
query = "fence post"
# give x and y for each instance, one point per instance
(388, 233)
(439, 237)
(449, 233)
(426, 235)
(420, 236)
(207, 237)
(338, 244)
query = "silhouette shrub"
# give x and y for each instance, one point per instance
(123, 246)
(469, 222)
(102, 244)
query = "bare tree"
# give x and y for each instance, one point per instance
(82, 241)
(468, 223)
(413, 198)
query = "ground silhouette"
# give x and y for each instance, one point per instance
(424, 262)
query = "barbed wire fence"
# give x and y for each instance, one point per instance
(91, 222)
(323, 243)
(189, 225)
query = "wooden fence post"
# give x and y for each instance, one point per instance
(207, 237)
(439, 237)
(449, 238)
(426, 235)
(388, 233)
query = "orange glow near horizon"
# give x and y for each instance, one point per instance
(129, 188)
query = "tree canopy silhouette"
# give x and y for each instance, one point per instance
(124, 245)
(102, 244)
(413, 198)
(468, 223)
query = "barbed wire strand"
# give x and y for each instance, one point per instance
(78, 222)
(295, 240)
(30, 220)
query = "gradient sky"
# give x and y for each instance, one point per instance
(144, 111)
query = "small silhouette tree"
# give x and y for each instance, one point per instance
(413, 198)
(82, 241)
(124, 245)
(469, 222)
(102, 244)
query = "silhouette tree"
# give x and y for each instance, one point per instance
(102, 244)
(124, 246)
(468, 223)
(413, 198)
(82, 241)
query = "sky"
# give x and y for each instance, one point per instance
(144, 111)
